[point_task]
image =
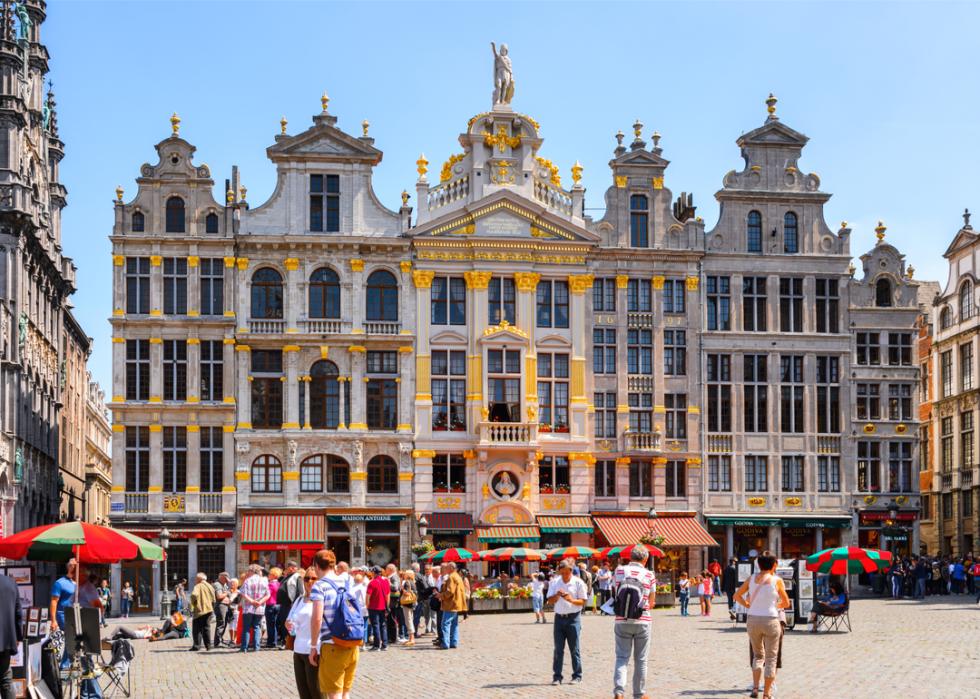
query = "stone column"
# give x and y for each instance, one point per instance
(156, 469)
(306, 402)
(229, 488)
(819, 539)
(357, 299)
(730, 541)
(193, 370)
(156, 370)
(526, 316)
(342, 392)
(118, 286)
(358, 388)
(578, 285)
(242, 286)
(582, 475)
(291, 421)
(192, 568)
(193, 286)
(622, 367)
(228, 289)
(118, 446)
(244, 388)
(228, 370)
(293, 296)
(118, 369)
(423, 357)
(156, 285)
(406, 387)
(192, 497)
(477, 284)
(405, 298)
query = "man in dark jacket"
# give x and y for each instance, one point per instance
(11, 632)
(729, 583)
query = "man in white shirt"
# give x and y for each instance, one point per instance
(635, 591)
(567, 592)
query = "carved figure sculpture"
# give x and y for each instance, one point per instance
(503, 75)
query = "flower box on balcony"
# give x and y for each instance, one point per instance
(546, 491)
(440, 489)
(458, 489)
(544, 428)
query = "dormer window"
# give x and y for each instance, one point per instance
(175, 215)
(639, 221)
(753, 232)
(211, 223)
(139, 222)
(791, 237)
(325, 203)
(883, 293)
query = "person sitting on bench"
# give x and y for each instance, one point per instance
(832, 605)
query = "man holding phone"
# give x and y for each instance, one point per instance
(568, 593)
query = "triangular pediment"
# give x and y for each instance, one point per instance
(642, 157)
(963, 239)
(323, 142)
(774, 133)
(506, 332)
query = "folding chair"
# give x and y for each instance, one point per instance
(835, 621)
(116, 677)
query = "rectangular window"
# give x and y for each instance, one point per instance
(267, 387)
(946, 372)
(947, 500)
(605, 479)
(382, 390)
(552, 304)
(755, 393)
(966, 366)
(869, 467)
(925, 464)
(553, 374)
(604, 295)
(674, 290)
(793, 474)
(791, 304)
(449, 301)
(212, 370)
(925, 509)
(605, 415)
(719, 393)
(554, 475)
(639, 296)
(175, 369)
(966, 440)
(174, 459)
(900, 467)
(828, 474)
(502, 295)
(966, 505)
(175, 286)
(137, 459)
(946, 444)
(639, 223)
(603, 351)
(791, 394)
(639, 351)
(641, 479)
(828, 303)
(212, 459)
(449, 390)
(138, 285)
(676, 417)
(504, 382)
(676, 479)
(212, 286)
(900, 401)
(675, 352)
(137, 369)
(868, 349)
(900, 349)
(448, 473)
(755, 305)
(756, 474)
(641, 412)
(338, 475)
(720, 474)
(382, 362)
(325, 203)
(828, 395)
(868, 401)
(719, 300)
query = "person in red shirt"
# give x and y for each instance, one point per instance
(714, 568)
(378, 591)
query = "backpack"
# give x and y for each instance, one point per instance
(629, 598)
(347, 624)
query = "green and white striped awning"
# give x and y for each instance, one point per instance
(510, 534)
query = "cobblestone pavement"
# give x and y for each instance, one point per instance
(897, 648)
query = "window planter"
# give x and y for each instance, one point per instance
(488, 605)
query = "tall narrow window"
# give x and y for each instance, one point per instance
(641, 479)
(883, 293)
(553, 374)
(175, 215)
(718, 293)
(946, 372)
(448, 473)
(676, 417)
(449, 390)
(641, 412)
(212, 286)
(382, 296)
(899, 349)
(266, 389)
(674, 290)
(945, 318)
(900, 467)
(138, 222)
(504, 382)
(966, 366)
(719, 390)
(325, 203)
(382, 475)
(137, 459)
(946, 445)
(174, 459)
(639, 296)
(212, 459)
(552, 297)
(382, 390)
(449, 301)
(639, 351)
(138, 285)
(966, 301)
(605, 479)
(793, 474)
(554, 475)
(501, 300)
(604, 351)
(175, 370)
(868, 401)
(791, 305)
(137, 369)
(828, 474)
(756, 474)
(605, 415)
(828, 302)
(755, 393)
(791, 394)
(604, 295)
(266, 474)
(338, 475)
(267, 294)
(639, 222)
(324, 294)
(676, 479)
(791, 239)
(325, 396)
(753, 232)
(675, 352)
(869, 467)
(212, 370)
(967, 458)
(720, 474)
(755, 305)
(175, 285)
(900, 401)
(311, 474)
(828, 395)
(868, 349)
(211, 223)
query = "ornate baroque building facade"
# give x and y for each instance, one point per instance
(98, 455)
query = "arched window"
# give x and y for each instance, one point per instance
(324, 294)
(753, 231)
(945, 318)
(266, 293)
(311, 474)
(639, 222)
(382, 475)
(139, 222)
(883, 293)
(211, 223)
(175, 215)
(324, 396)
(966, 301)
(338, 474)
(266, 475)
(382, 296)
(791, 237)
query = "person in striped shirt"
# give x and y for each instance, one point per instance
(632, 631)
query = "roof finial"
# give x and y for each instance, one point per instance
(851, 269)
(119, 193)
(365, 125)
(619, 138)
(404, 197)
(577, 172)
(175, 123)
(324, 101)
(656, 139)
(637, 132)
(880, 231)
(771, 106)
(909, 271)
(282, 125)
(422, 166)
(966, 220)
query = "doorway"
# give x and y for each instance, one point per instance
(139, 574)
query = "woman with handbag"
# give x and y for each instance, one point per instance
(298, 640)
(764, 596)
(409, 599)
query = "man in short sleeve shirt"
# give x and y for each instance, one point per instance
(568, 593)
(633, 635)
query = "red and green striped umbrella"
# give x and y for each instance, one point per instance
(511, 554)
(571, 552)
(452, 555)
(89, 543)
(849, 559)
(626, 551)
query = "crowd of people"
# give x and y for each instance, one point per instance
(917, 577)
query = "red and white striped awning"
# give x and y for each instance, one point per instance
(277, 529)
(676, 531)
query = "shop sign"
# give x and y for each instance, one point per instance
(747, 522)
(817, 523)
(173, 503)
(117, 507)
(449, 503)
(750, 530)
(869, 517)
(365, 518)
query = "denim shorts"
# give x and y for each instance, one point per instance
(537, 602)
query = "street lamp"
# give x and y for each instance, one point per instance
(652, 514)
(423, 526)
(165, 601)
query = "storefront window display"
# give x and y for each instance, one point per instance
(750, 540)
(798, 542)
(383, 543)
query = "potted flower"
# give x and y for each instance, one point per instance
(440, 488)
(561, 427)
(487, 599)
(440, 422)
(546, 490)
(518, 598)
(422, 548)
(544, 427)
(457, 488)
(665, 595)
(563, 490)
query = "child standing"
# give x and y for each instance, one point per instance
(706, 589)
(684, 589)
(537, 598)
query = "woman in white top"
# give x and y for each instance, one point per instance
(763, 595)
(298, 626)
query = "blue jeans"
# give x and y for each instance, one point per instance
(567, 630)
(450, 629)
(271, 630)
(896, 586)
(124, 605)
(685, 597)
(379, 627)
(59, 616)
(920, 588)
(251, 623)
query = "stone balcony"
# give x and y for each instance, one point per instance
(324, 326)
(508, 434)
(649, 442)
(266, 327)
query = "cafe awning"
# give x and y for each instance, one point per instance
(450, 522)
(566, 524)
(509, 534)
(681, 531)
(270, 530)
(622, 531)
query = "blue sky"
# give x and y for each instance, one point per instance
(886, 92)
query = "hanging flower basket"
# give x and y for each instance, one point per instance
(652, 539)
(422, 548)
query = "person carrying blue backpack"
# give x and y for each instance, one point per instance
(336, 629)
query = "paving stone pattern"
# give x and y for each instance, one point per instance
(898, 648)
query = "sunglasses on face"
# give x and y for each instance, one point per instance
(310, 579)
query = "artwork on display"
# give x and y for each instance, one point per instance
(22, 575)
(43, 628)
(26, 594)
(34, 614)
(34, 655)
(17, 660)
(804, 573)
(44, 613)
(32, 629)
(806, 589)
(20, 688)
(744, 571)
(806, 606)
(504, 484)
